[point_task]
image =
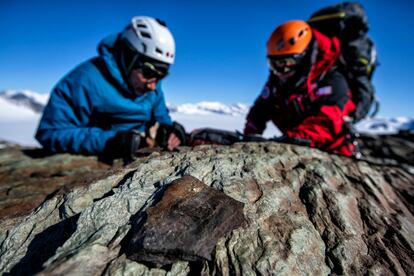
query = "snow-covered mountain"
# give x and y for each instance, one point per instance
(36, 102)
(20, 112)
(205, 108)
(19, 115)
(381, 125)
(26, 98)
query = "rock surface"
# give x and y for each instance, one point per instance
(394, 149)
(307, 212)
(27, 177)
(184, 225)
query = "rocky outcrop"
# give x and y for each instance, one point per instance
(306, 212)
(392, 149)
(28, 176)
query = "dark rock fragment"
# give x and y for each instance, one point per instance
(387, 148)
(185, 224)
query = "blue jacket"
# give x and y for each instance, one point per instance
(93, 102)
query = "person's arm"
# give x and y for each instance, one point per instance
(327, 124)
(84, 140)
(64, 124)
(259, 114)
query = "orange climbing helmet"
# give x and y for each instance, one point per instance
(292, 37)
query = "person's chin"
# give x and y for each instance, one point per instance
(140, 91)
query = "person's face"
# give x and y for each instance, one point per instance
(284, 67)
(140, 83)
(145, 77)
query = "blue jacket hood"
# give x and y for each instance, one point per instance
(108, 50)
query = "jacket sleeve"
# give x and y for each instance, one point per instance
(160, 111)
(64, 124)
(327, 123)
(320, 129)
(259, 114)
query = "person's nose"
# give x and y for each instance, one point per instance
(152, 84)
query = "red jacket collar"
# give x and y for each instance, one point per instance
(328, 51)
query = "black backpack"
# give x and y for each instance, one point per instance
(349, 23)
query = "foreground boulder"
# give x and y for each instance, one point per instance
(307, 212)
(185, 225)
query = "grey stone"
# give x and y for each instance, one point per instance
(307, 212)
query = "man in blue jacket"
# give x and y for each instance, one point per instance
(106, 105)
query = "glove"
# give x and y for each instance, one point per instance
(164, 132)
(123, 145)
(179, 130)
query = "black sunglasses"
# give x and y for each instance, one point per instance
(285, 63)
(150, 71)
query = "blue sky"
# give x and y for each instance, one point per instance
(220, 44)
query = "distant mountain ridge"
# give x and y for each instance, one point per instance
(36, 102)
(205, 108)
(381, 125)
(26, 98)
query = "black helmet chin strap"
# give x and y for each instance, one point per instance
(127, 58)
(128, 69)
(313, 51)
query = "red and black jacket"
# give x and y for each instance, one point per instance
(313, 111)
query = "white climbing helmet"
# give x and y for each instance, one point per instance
(150, 37)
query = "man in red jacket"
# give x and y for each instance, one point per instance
(306, 97)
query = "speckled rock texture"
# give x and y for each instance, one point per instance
(29, 176)
(307, 213)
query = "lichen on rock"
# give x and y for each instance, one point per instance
(306, 212)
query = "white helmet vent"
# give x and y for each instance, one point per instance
(145, 34)
(151, 37)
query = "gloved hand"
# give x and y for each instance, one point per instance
(179, 130)
(125, 145)
(164, 132)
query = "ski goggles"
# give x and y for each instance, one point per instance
(150, 70)
(284, 64)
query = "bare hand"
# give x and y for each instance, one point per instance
(173, 141)
(150, 142)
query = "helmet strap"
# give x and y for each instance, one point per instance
(131, 65)
(122, 59)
